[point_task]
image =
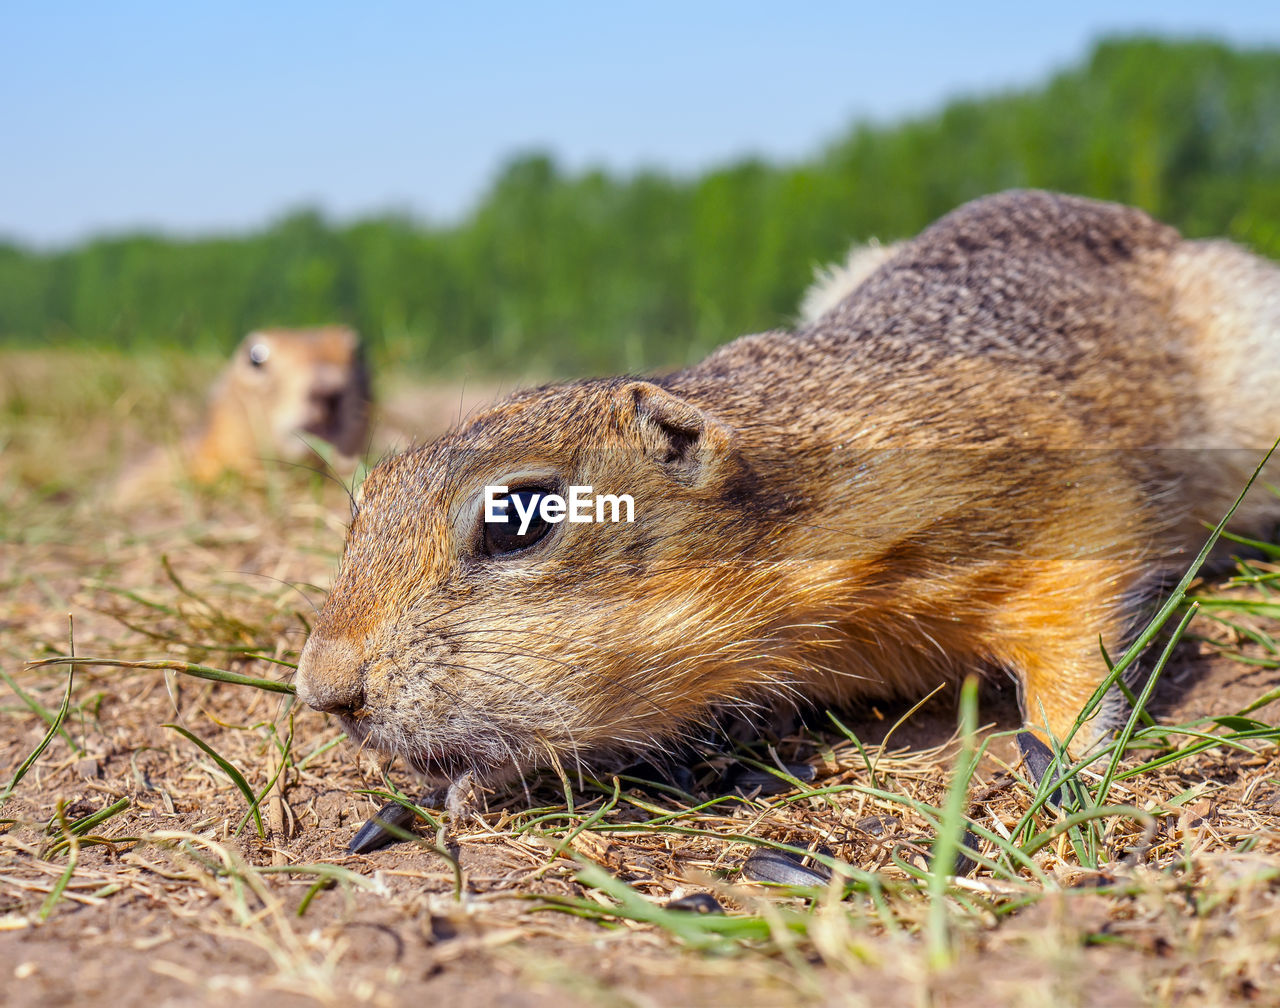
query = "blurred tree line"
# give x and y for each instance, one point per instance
(590, 272)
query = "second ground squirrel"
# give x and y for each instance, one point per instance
(281, 387)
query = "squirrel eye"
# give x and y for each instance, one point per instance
(505, 536)
(258, 354)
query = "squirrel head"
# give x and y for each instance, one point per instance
(464, 643)
(292, 382)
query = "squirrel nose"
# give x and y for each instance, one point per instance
(347, 702)
(330, 677)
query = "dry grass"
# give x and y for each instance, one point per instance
(132, 862)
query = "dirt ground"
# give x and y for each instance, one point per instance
(179, 899)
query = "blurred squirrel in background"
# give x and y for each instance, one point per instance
(280, 386)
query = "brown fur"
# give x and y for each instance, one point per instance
(305, 383)
(986, 457)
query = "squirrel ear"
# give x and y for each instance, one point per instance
(679, 436)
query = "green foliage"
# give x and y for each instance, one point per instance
(593, 272)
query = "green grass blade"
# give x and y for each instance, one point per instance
(1126, 733)
(229, 769)
(186, 668)
(38, 751)
(36, 707)
(951, 830)
(55, 894)
(1170, 605)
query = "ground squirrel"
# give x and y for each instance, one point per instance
(280, 385)
(986, 457)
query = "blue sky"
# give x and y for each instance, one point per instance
(198, 118)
